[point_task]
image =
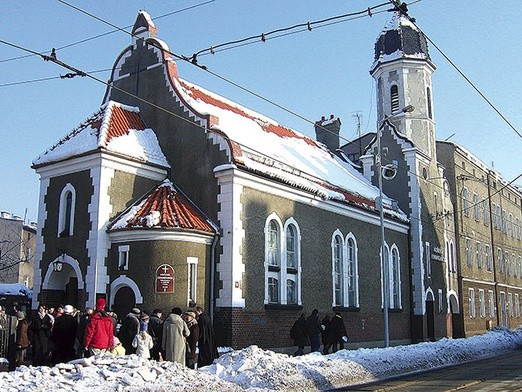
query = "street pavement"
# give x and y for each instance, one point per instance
(500, 373)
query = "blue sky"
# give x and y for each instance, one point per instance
(312, 73)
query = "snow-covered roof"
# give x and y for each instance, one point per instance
(164, 207)
(261, 145)
(400, 39)
(114, 128)
(15, 289)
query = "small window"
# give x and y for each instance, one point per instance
(491, 300)
(472, 310)
(394, 95)
(192, 279)
(123, 257)
(482, 303)
(465, 201)
(273, 290)
(66, 211)
(428, 100)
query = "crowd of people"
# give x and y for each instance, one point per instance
(62, 334)
(310, 331)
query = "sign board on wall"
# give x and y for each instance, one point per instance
(165, 279)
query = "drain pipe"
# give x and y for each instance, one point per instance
(212, 274)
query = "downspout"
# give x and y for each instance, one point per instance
(493, 258)
(213, 259)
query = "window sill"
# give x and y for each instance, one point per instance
(283, 307)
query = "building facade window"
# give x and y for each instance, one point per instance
(489, 258)
(482, 303)
(491, 301)
(338, 272)
(469, 253)
(394, 99)
(479, 254)
(282, 262)
(465, 201)
(517, 305)
(500, 260)
(123, 257)
(485, 212)
(472, 310)
(428, 102)
(66, 211)
(352, 272)
(395, 279)
(192, 263)
(476, 207)
(510, 305)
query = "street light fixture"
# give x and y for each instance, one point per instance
(58, 263)
(385, 263)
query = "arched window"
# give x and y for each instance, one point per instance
(395, 279)
(338, 270)
(394, 97)
(428, 101)
(282, 261)
(352, 271)
(66, 211)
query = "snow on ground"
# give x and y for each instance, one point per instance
(256, 369)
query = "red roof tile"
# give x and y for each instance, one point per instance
(164, 207)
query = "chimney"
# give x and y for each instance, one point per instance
(327, 132)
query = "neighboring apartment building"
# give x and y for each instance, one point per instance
(488, 213)
(17, 250)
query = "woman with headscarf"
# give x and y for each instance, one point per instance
(192, 339)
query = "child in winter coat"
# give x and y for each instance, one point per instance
(117, 349)
(142, 342)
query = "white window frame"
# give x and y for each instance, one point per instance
(192, 279)
(489, 258)
(395, 278)
(338, 269)
(476, 205)
(465, 202)
(63, 210)
(510, 304)
(472, 306)
(352, 272)
(280, 272)
(491, 298)
(469, 252)
(482, 303)
(478, 245)
(123, 257)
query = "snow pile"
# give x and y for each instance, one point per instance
(256, 369)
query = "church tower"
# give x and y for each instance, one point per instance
(402, 69)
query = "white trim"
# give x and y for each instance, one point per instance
(160, 235)
(62, 213)
(124, 281)
(49, 283)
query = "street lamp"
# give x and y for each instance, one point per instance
(385, 263)
(58, 263)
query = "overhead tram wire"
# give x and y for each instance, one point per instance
(47, 79)
(305, 26)
(204, 68)
(446, 57)
(109, 32)
(169, 112)
(165, 110)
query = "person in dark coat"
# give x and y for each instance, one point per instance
(155, 330)
(207, 343)
(22, 338)
(192, 339)
(298, 334)
(338, 335)
(130, 327)
(83, 320)
(63, 336)
(39, 334)
(325, 334)
(313, 330)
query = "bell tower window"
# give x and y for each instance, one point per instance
(394, 95)
(428, 100)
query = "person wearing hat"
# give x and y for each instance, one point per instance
(129, 329)
(155, 330)
(142, 342)
(99, 333)
(192, 339)
(21, 341)
(64, 336)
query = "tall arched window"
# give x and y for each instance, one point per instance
(338, 270)
(282, 262)
(66, 211)
(394, 99)
(395, 279)
(353, 272)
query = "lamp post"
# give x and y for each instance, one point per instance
(385, 263)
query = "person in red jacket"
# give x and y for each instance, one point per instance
(99, 333)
